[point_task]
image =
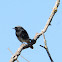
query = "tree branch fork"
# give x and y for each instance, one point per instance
(37, 35)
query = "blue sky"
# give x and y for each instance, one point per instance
(32, 15)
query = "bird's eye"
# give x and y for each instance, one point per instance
(15, 27)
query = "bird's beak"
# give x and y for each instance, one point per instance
(13, 28)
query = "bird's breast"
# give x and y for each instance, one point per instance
(22, 36)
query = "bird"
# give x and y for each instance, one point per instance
(22, 35)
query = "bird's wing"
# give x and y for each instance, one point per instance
(24, 35)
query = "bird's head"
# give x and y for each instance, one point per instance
(18, 28)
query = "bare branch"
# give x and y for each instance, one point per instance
(20, 55)
(49, 20)
(24, 46)
(12, 53)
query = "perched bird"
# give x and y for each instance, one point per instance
(22, 35)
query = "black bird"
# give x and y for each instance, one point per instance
(22, 35)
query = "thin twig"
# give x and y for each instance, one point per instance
(45, 41)
(10, 51)
(24, 58)
(46, 48)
